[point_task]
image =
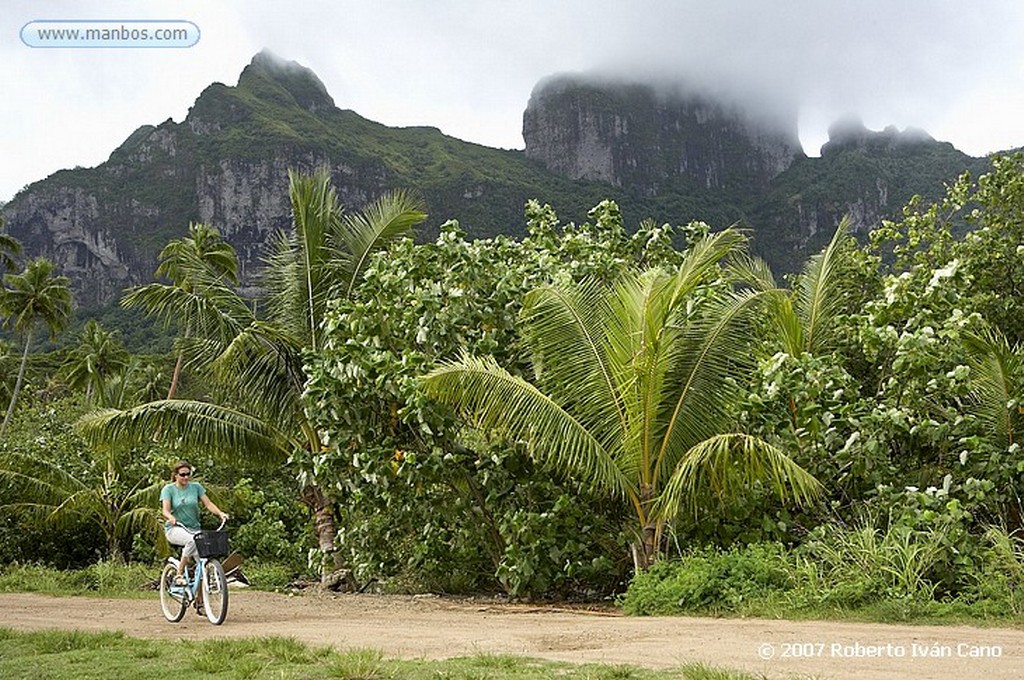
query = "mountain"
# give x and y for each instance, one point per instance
(674, 157)
(226, 164)
(867, 174)
(654, 140)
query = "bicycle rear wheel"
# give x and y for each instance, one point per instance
(215, 592)
(172, 602)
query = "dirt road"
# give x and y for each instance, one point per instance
(427, 627)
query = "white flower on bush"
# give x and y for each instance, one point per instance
(943, 273)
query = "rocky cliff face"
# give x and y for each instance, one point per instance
(867, 175)
(226, 165)
(635, 136)
(248, 200)
(67, 225)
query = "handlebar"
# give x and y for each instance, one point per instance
(196, 531)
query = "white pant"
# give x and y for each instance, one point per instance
(182, 537)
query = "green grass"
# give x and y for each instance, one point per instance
(102, 579)
(106, 655)
(105, 579)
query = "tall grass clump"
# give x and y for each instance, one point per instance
(855, 566)
(103, 578)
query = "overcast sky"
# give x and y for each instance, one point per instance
(952, 67)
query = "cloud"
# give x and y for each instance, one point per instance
(468, 67)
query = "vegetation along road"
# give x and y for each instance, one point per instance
(435, 628)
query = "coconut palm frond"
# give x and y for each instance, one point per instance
(9, 248)
(283, 281)
(35, 477)
(200, 256)
(393, 215)
(751, 271)
(727, 463)
(263, 364)
(562, 325)
(702, 260)
(33, 511)
(641, 342)
(493, 399)
(207, 426)
(817, 298)
(37, 295)
(712, 348)
(316, 213)
(19, 485)
(788, 326)
(214, 312)
(997, 374)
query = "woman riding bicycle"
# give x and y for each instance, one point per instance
(180, 500)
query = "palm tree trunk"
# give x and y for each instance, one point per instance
(174, 378)
(177, 368)
(645, 551)
(17, 384)
(114, 550)
(326, 530)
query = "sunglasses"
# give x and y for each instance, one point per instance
(184, 474)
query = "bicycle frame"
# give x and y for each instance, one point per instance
(206, 581)
(192, 589)
(195, 584)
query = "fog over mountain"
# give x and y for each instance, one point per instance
(951, 68)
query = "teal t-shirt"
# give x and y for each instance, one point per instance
(184, 503)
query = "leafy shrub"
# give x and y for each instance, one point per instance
(710, 581)
(271, 526)
(892, 572)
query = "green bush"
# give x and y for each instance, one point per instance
(892, 573)
(270, 525)
(710, 581)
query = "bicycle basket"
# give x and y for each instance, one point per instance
(212, 543)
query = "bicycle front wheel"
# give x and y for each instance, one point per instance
(172, 599)
(215, 592)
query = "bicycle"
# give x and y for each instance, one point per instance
(207, 578)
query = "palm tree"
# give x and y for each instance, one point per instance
(803, 319)
(96, 359)
(195, 265)
(121, 504)
(35, 296)
(259, 361)
(632, 392)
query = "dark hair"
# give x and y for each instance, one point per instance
(177, 466)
